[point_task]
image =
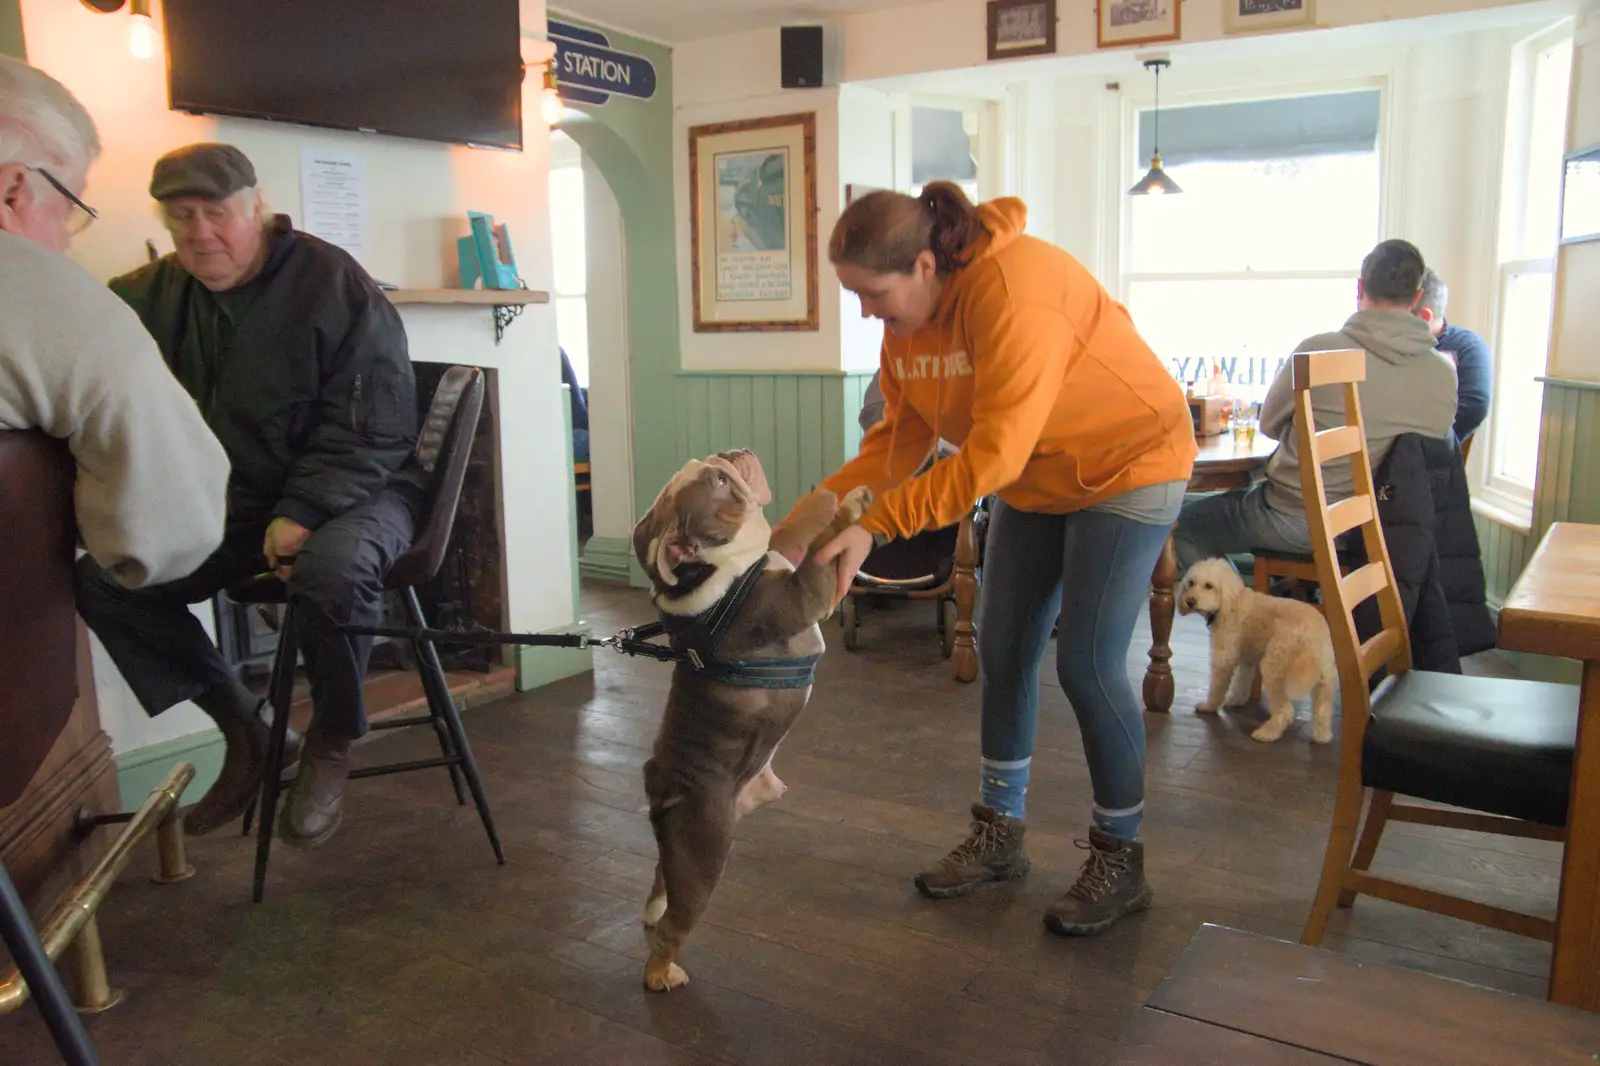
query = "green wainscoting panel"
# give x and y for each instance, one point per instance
(143, 769)
(11, 40)
(1568, 483)
(802, 425)
(606, 558)
(1505, 552)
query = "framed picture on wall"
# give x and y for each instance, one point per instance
(1123, 22)
(1580, 196)
(753, 224)
(1252, 16)
(1021, 28)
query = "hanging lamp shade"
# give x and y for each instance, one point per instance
(1155, 181)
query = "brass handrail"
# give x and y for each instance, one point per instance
(73, 918)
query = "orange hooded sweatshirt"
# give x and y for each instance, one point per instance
(1040, 378)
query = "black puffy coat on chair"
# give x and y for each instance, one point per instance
(1425, 509)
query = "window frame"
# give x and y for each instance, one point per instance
(557, 294)
(1507, 500)
(993, 119)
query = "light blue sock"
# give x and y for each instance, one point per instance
(1004, 786)
(1123, 824)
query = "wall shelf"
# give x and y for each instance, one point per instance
(507, 303)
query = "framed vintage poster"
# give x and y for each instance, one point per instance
(1021, 28)
(1580, 196)
(753, 224)
(1251, 16)
(1123, 22)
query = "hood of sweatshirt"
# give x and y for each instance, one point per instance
(1005, 219)
(1393, 336)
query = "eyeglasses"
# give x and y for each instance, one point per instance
(82, 216)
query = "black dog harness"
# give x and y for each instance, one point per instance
(696, 639)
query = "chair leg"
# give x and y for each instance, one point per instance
(1336, 860)
(1371, 833)
(280, 691)
(22, 941)
(446, 748)
(443, 704)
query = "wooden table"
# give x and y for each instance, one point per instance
(1554, 609)
(1221, 465)
(1235, 997)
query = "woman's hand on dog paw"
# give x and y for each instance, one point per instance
(850, 549)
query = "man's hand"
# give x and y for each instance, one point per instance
(285, 538)
(851, 549)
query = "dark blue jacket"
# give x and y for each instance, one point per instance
(1474, 374)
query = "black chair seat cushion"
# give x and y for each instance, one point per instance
(1489, 744)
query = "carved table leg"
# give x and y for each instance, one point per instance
(964, 660)
(1158, 689)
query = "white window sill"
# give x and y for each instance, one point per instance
(1511, 513)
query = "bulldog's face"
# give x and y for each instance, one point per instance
(708, 513)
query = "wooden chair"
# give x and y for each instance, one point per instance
(1497, 750)
(580, 476)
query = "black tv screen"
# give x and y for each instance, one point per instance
(426, 69)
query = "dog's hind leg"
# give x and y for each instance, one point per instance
(1322, 710)
(1280, 708)
(1240, 690)
(656, 905)
(694, 836)
(760, 790)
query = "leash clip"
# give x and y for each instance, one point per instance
(694, 657)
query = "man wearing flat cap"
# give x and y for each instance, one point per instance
(299, 364)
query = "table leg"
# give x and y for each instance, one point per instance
(1575, 960)
(1158, 689)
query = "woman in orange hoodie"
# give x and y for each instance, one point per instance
(1006, 346)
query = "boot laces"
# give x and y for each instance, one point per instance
(986, 837)
(1100, 871)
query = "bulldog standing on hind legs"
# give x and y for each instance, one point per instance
(750, 621)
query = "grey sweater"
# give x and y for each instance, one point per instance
(76, 363)
(1410, 388)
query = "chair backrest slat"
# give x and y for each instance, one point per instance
(1391, 647)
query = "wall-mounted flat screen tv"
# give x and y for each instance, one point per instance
(424, 69)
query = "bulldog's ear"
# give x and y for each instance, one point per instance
(748, 467)
(650, 529)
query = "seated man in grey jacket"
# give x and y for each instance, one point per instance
(151, 484)
(1410, 388)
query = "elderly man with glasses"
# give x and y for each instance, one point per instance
(76, 363)
(299, 364)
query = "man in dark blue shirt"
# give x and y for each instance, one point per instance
(1474, 364)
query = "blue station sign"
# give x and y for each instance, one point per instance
(590, 71)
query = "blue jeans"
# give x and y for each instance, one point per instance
(1230, 523)
(1089, 572)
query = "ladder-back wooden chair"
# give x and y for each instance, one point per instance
(1495, 753)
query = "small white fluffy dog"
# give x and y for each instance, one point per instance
(1286, 639)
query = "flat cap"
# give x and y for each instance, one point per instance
(210, 171)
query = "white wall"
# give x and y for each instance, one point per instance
(867, 158)
(418, 195)
(610, 391)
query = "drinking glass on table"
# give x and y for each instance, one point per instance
(1246, 418)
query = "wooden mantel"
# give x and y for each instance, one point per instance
(470, 297)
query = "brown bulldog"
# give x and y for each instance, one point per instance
(750, 620)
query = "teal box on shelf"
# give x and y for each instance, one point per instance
(486, 255)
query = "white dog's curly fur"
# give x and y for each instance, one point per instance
(1286, 639)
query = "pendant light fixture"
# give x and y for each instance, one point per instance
(1155, 181)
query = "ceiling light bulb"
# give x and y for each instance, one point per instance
(551, 109)
(142, 39)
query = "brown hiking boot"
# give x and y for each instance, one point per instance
(993, 852)
(1110, 885)
(316, 800)
(236, 785)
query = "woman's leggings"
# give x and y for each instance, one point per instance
(1090, 569)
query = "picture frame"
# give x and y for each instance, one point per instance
(752, 232)
(1126, 22)
(1020, 28)
(1580, 196)
(1256, 16)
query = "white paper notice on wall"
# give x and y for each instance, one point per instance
(333, 198)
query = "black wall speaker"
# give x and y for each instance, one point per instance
(802, 56)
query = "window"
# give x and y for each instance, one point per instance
(1280, 203)
(571, 266)
(1504, 470)
(949, 139)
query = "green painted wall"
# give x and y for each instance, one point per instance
(11, 42)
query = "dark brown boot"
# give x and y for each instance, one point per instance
(992, 852)
(316, 801)
(240, 779)
(1110, 885)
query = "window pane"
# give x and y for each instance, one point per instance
(566, 229)
(572, 333)
(1313, 213)
(1547, 138)
(1518, 400)
(1255, 324)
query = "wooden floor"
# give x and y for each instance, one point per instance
(402, 943)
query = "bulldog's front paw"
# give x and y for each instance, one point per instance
(855, 503)
(663, 975)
